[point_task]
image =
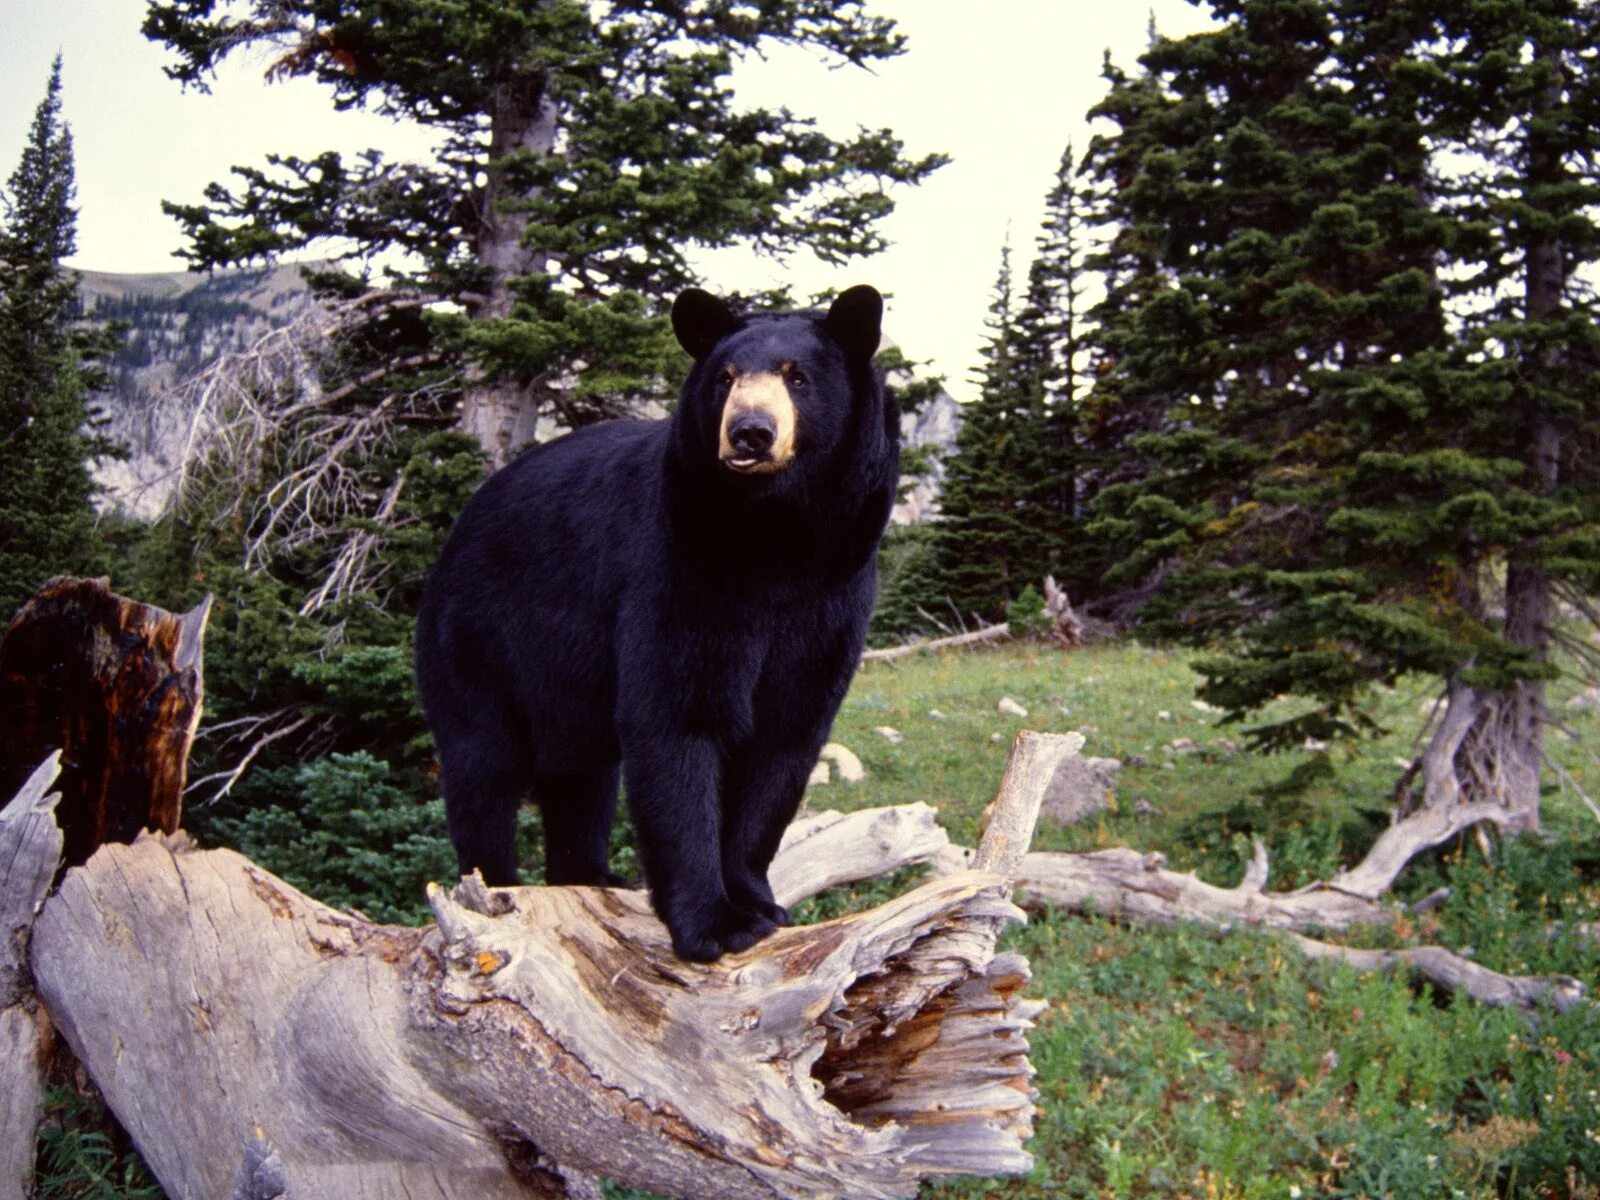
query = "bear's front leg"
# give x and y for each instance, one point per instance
(761, 794)
(674, 785)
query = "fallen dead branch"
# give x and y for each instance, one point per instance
(989, 633)
(1131, 886)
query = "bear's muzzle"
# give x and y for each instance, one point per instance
(758, 425)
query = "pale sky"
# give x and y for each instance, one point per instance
(1000, 86)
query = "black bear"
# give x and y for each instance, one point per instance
(680, 603)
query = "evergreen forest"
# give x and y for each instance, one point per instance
(1294, 394)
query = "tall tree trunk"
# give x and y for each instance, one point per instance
(1503, 753)
(501, 414)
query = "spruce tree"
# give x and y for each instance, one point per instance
(987, 539)
(1374, 366)
(1054, 335)
(1010, 506)
(45, 443)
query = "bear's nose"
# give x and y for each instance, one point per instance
(751, 434)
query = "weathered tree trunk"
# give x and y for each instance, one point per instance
(1502, 757)
(1068, 626)
(115, 686)
(30, 848)
(252, 1040)
(501, 413)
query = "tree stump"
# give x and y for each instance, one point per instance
(112, 684)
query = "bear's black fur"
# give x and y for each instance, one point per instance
(680, 603)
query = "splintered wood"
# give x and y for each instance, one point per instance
(113, 685)
(252, 1040)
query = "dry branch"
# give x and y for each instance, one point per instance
(1453, 973)
(830, 848)
(241, 1030)
(989, 633)
(1131, 886)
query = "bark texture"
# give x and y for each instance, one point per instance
(115, 686)
(502, 414)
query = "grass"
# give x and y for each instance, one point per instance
(1184, 1063)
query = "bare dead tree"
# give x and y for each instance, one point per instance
(271, 445)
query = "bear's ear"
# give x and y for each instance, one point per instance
(854, 320)
(701, 321)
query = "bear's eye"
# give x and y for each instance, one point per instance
(726, 378)
(796, 377)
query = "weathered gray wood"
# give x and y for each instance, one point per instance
(255, 1043)
(989, 633)
(214, 1006)
(829, 848)
(1035, 758)
(1123, 883)
(30, 850)
(1453, 973)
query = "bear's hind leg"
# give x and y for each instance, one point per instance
(578, 810)
(483, 789)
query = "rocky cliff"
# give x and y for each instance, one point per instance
(173, 324)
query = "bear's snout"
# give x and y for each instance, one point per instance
(758, 425)
(751, 435)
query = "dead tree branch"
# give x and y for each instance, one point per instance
(988, 633)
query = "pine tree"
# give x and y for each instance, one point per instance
(1375, 369)
(1010, 507)
(45, 487)
(987, 539)
(587, 150)
(1055, 333)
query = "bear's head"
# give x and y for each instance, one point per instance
(773, 390)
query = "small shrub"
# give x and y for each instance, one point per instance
(346, 836)
(77, 1158)
(1027, 615)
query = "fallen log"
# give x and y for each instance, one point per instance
(1131, 886)
(989, 633)
(255, 1042)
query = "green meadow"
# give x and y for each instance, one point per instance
(1182, 1062)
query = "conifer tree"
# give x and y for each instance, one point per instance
(1376, 369)
(45, 488)
(987, 540)
(1055, 334)
(1009, 510)
(586, 150)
